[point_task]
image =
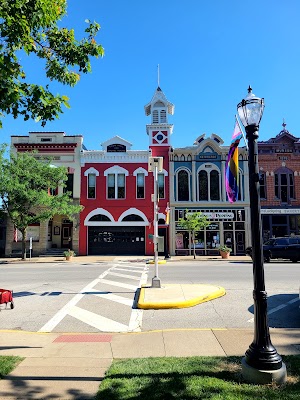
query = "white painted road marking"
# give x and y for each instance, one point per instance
(98, 321)
(280, 307)
(136, 278)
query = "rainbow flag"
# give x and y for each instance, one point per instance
(232, 166)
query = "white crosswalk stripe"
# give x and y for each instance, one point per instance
(136, 278)
(105, 289)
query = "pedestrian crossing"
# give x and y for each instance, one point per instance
(107, 303)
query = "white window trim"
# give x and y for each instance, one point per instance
(112, 221)
(208, 171)
(91, 171)
(96, 212)
(189, 182)
(140, 170)
(87, 186)
(115, 170)
(88, 172)
(133, 211)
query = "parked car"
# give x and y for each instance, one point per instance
(280, 247)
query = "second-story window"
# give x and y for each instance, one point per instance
(214, 185)
(203, 185)
(161, 186)
(116, 186)
(69, 184)
(262, 185)
(91, 186)
(140, 186)
(209, 184)
(284, 186)
(183, 186)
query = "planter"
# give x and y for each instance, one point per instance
(69, 258)
(224, 254)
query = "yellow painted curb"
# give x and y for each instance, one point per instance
(159, 262)
(158, 305)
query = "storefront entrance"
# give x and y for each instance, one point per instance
(116, 240)
(227, 226)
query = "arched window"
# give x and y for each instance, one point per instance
(214, 185)
(132, 217)
(99, 217)
(183, 189)
(209, 187)
(116, 182)
(203, 185)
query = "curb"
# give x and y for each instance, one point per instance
(158, 305)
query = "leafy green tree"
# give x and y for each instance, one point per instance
(25, 188)
(32, 26)
(193, 222)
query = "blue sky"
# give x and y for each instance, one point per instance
(208, 52)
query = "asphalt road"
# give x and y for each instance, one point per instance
(99, 297)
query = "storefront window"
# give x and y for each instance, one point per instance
(213, 237)
(292, 222)
(199, 240)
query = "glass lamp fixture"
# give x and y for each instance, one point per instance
(251, 109)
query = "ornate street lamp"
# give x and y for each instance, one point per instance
(262, 363)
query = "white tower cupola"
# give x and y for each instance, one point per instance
(159, 130)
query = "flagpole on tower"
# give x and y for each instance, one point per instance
(158, 75)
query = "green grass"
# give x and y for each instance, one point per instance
(193, 378)
(8, 363)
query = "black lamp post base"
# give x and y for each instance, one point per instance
(261, 377)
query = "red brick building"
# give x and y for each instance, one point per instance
(279, 162)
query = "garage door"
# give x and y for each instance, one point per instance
(116, 240)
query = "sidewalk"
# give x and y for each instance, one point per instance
(71, 366)
(95, 259)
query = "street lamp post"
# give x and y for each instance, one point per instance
(262, 363)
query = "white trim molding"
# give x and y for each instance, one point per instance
(91, 170)
(116, 169)
(140, 170)
(133, 211)
(96, 212)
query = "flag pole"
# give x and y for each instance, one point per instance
(242, 132)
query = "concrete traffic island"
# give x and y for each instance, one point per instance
(177, 296)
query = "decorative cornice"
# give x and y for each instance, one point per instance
(99, 156)
(41, 147)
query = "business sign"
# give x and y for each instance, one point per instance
(280, 211)
(219, 215)
(216, 215)
(208, 157)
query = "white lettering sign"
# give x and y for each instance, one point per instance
(217, 215)
(280, 211)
